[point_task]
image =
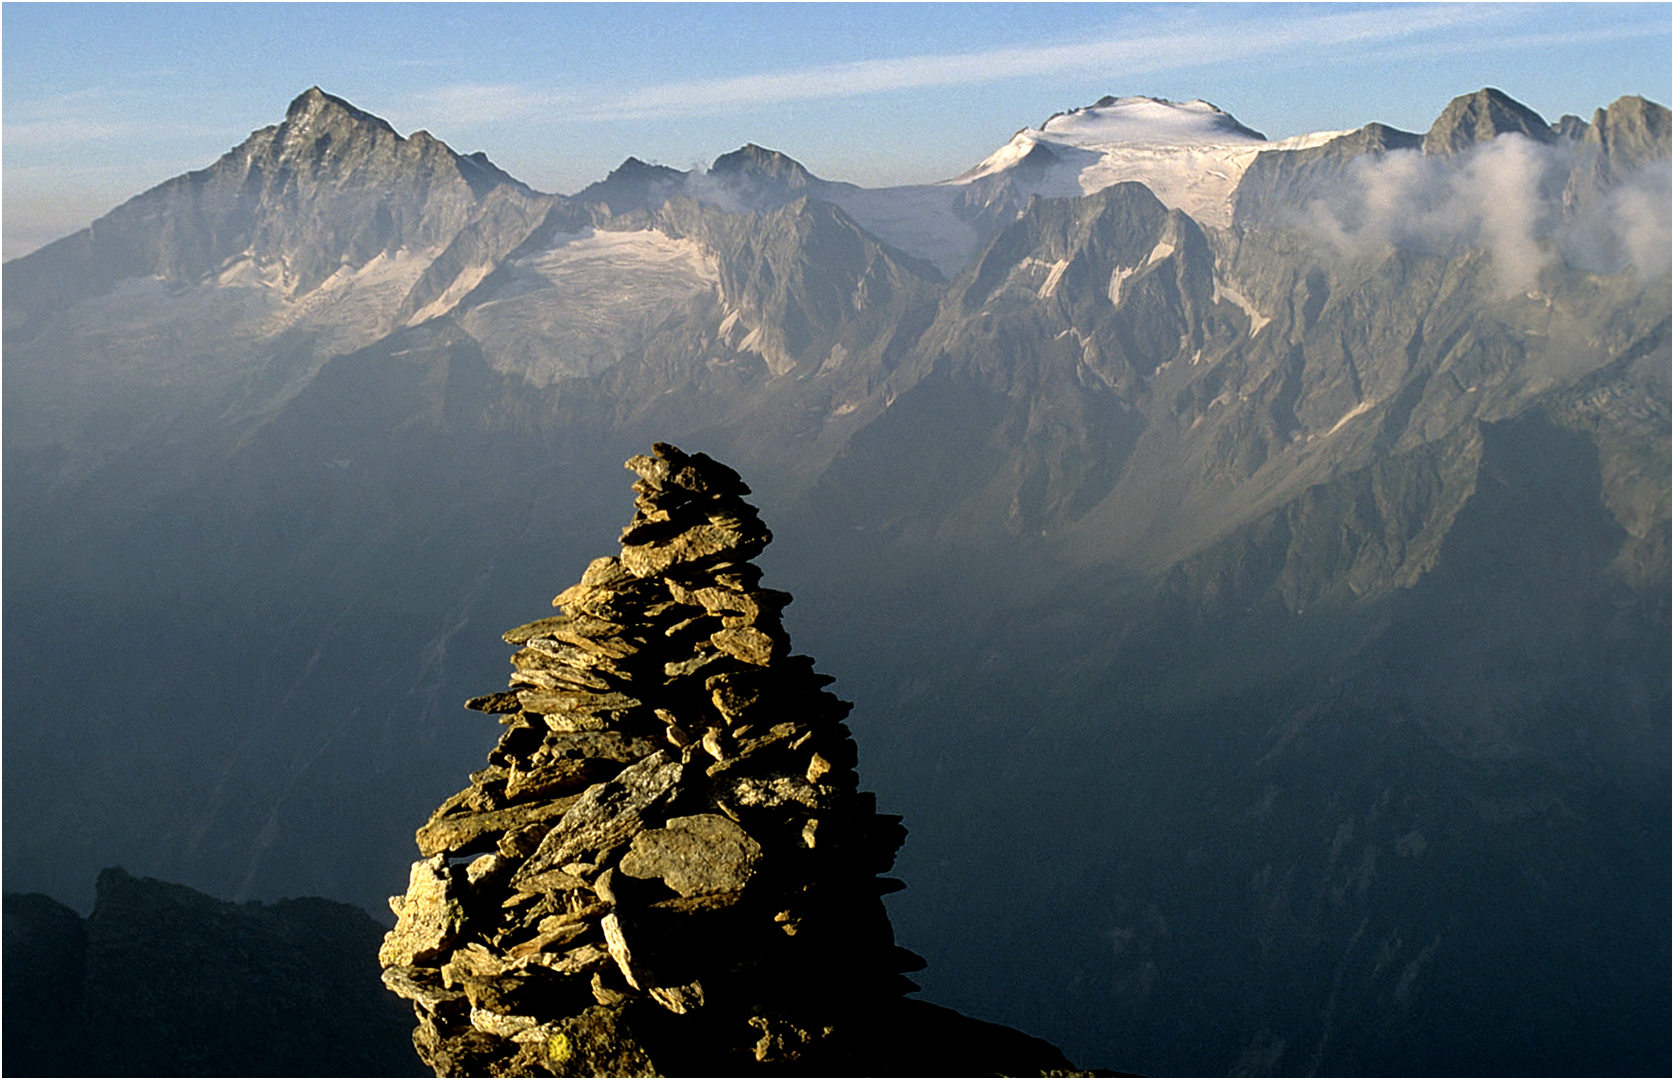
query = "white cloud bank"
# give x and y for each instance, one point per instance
(1530, 204)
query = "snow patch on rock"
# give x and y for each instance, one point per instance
(1054, 274)
(587, 301)
(1227, 292)
(1358, 410)
(1117, 276)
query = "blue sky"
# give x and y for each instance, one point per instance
(102, 101)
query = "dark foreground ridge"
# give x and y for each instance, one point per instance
(161, 980)
(667, 868)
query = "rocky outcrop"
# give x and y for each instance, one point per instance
(666, 866)
(1625, 147)
(162, 980)
(1280, 183)
(1631, 133)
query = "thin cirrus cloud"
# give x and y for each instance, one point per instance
(101, 113)
(57, 132)
(1178, 46)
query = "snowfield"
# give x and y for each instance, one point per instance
(583, 304)
(917, 219)
(1190, 155)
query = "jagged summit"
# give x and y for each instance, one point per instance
(1481, 117)
(321, 128)
(1631, 131)
(751, 159)
(752, 178)
(633, 185)
(320, 195)
(325, 136)
(633, 168)
(314, 106)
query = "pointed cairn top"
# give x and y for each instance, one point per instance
(666, 866)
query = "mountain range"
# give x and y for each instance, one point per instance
(1249, 560)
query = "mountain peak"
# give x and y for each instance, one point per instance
(1481, 117)
(1152, 121)
(633, 185)
(1162, 144)
(635, 169)
(314, 108)
(1632, 126)
(760, 161)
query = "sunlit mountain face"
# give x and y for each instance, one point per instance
(1249, 560)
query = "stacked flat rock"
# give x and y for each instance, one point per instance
(666, 866)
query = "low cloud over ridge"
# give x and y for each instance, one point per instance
(1528, 203)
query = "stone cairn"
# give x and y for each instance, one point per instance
(666, 867)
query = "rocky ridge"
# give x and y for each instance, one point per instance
(667, 866)
(328, 190)
(162, 980)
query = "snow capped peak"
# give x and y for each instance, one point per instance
(1190, 154)
(1118, 125)
(1148, 121)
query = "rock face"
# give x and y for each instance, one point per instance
(666, 866)
(1278, 182)
(1480, 117)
